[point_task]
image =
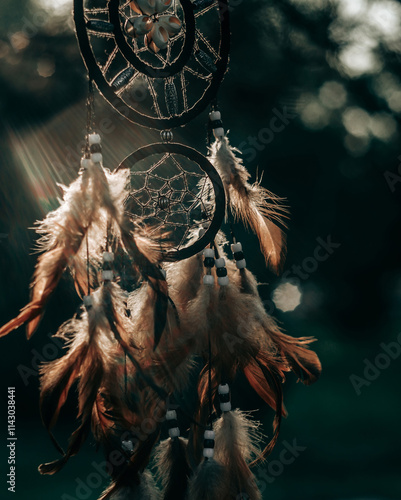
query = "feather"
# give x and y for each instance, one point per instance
(140, 487)
(251, 203)
(236, 444)
(209, 482)
(87, 359)
(173, 468)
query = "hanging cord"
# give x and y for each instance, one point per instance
(89, 127)
(209, 136)
(210, 380)
(90, 116)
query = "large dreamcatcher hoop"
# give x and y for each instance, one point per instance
(143, 59)
(178, 190)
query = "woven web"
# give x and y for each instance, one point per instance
(142, 92)
(171, 194)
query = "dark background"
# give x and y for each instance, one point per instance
(335, 66)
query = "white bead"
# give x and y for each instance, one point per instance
(208, 279)
(220, 262)
(224, 389)
(97, 157)
(208, 252)
(127, 445)
(107, 275)
(218, 132)
(86, 163)
(241, 264)
(208, 452)
(223, 281)
(174, 432)
(215, 115)
(88, 302)
(209, 434)
(224, 407)
(93, 139)
(202, 232)
(236, 247)
(108, 256)
(171, 415)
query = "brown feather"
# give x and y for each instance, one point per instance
(251, 203)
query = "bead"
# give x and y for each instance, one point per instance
(224, 389)
(166, 135)
(108, 256)
(205, 61)
(208, 280)
(241, 264)
(220, 262)
(208, 252)
(88, 302)
(218, 132)
(127, 445)
(208, 443)
(236, 247)
(209, 434)
(223, 281)
(174, 432)
(86, 163)
(171, 97)
(238, 255)
(214, 115)
(94, 139)
(221, 272)
(208, 262)
(217, 124)
(171, 415)
(123, 78)
(97, 157)
(107, 275)
(163, 202)
(224, 398)
(100, 26)
(225, 407)
(208, 452)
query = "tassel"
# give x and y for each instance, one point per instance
(251, 203)
(235, 446)
(173, 468)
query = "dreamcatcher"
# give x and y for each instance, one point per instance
(187, 309)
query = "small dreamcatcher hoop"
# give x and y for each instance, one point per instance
(143, 58)
(176, 189)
